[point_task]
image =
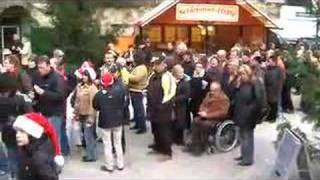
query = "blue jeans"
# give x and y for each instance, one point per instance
(56, 122)
(65, 148)
(138, 110)
(4, 159)
(90, 140)
(13, 156)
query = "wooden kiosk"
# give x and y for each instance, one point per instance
(206, 24)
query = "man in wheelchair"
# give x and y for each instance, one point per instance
(213, 109)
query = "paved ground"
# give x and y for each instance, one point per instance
(140, 165)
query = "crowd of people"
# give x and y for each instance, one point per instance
(183, 92)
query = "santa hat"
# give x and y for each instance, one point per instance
(35, 125)
(107, 80)
(80, 72)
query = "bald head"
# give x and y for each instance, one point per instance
(215, 86)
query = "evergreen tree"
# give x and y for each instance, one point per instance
(76, 32)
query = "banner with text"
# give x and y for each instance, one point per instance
(207, 12)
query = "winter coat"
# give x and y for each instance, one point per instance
(274, 79)
(126, 112)
(24, 82)
(36, 161)
(83, 102)
(181, 102)
(110, 103)
(138, 78)
(51, 103)
(216, 105)
(11, 107)
(161, 90)
(198, 93)
(245, 106)
(229, 87)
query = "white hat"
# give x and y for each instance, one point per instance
(79, 73)
(6, 52)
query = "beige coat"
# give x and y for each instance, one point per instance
(83, 102)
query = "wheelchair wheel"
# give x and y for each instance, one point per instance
(226, 136)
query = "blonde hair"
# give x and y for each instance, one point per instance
(246, 70)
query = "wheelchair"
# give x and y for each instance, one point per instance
(223, 137)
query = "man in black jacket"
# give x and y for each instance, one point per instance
(110, 102)
(161, 92)
(49, 89)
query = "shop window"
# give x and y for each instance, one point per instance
(182, 33)
(154, 33)
(195, 34)
(169, 33)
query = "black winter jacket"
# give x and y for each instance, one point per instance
(111, 104)
(157, 111)
(10, 107)
(274, 79)
(246, 106)
(51, 103)
(198, 93)
(181, 102)
(36, 161)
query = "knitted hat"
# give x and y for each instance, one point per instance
(107, 80)
(35, 125)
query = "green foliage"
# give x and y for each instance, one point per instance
(42, 40)
(306, 79)
(76, 32)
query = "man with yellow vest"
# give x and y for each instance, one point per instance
(161, 91)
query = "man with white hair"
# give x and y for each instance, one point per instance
(16, 45)
(25, 52)
(222, 56)
(57, 58)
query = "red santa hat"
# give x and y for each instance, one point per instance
(35, 125)
(107, 80)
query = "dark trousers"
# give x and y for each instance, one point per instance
(273, 114)
(247, 145)
(163, 137)
(138, 110)
(177, 133)
(200, 132)
(286, 102)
